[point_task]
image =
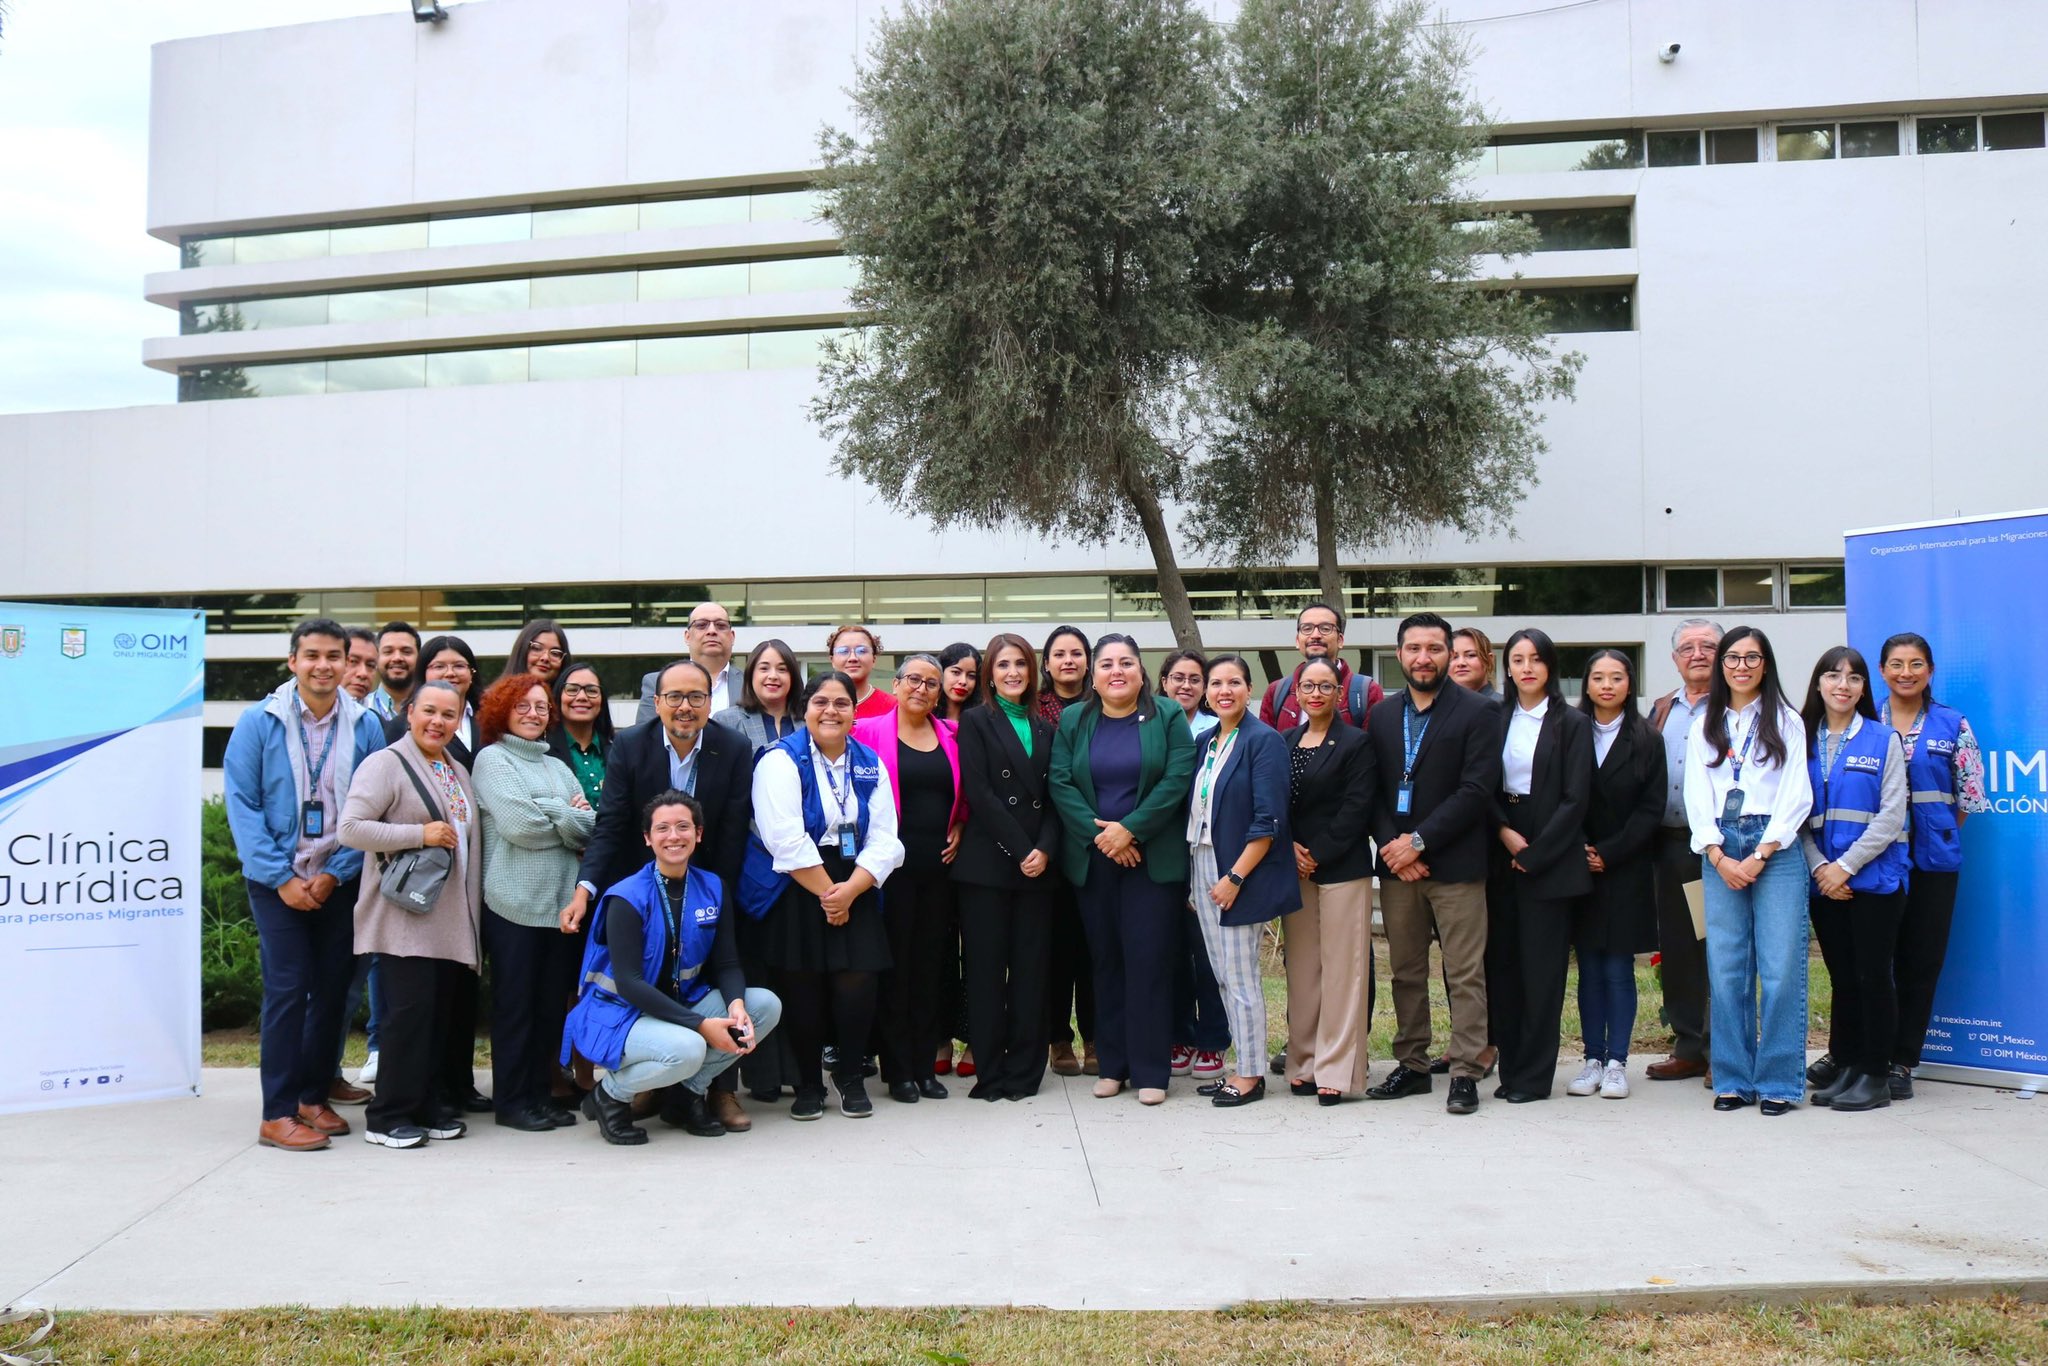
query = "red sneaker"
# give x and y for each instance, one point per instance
(1208, 1066)
(1183, 1059)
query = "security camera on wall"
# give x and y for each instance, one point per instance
(1668, 53)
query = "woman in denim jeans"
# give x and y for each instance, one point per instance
(1747, 794)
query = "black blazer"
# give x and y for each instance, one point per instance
(1554, 813)
(1457, 773)
(636, 770)
(1008, 811)
(1331, 812)
(1621, 822)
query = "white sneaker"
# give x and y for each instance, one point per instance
(1614, 1081)
(368, 1075)
(1588, 1080)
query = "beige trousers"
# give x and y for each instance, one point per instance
(1329, 984)
(1458, 911)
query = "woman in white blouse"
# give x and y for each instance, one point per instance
(824, 839)
(1747, 795)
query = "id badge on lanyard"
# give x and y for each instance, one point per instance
(1411, 747)
(312, 819)
(848, 847)
(1731, 806)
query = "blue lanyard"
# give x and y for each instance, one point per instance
(838, 796)
(1411, 745)
(314, 770)
(1739, 759)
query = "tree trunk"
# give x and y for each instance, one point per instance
(1173, 589)
(1328, 577)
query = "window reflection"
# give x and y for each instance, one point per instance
(581, 360)
(683, 355)
(478, 296)
(586, 220)
(498, 365)
(571, 291)
(377, 305)
(479, 229)
(358, 373)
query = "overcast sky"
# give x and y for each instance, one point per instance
(74, 162)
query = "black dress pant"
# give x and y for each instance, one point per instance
(772, 1064)
(1070, 971)
(1528, 952)
(418, 1042)
(1131, 938)
(1857, 938)
(1916, 963)
(1004, 938)
(917, 998)
(1684, 953)
(455, 1078)
(826, 1007)
(530, 972)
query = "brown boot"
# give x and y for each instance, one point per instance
(1088, 1062)
(291, 1134)
(1062, 1060)
(725, 1108)
(324, 1119)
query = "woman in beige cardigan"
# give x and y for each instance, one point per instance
(419, 955)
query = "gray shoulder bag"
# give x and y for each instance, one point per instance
(411, 879)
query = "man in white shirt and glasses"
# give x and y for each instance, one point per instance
(709, 640)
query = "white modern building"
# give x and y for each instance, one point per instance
(544, 280)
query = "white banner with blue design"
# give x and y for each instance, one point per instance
(100, 734)
(1973, 587)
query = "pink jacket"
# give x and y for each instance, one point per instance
(878, 733)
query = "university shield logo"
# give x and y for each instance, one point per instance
(73, 643)
(11, 641)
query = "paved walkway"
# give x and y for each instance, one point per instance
(1062, 1200)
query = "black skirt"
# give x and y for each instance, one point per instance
(795, 936)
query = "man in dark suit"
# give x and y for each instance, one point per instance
(678, 750)
(1437, 755)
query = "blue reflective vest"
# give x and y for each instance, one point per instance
(600, 1020)
(760, 885)
(1931, 773)
(1846, 801)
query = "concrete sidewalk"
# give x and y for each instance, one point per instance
(1062, 1200)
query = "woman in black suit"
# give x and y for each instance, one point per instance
(1539, 868)
(1003, 875)
(1619, 919)
(1329, 940)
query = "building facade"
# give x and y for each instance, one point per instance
(546, 283)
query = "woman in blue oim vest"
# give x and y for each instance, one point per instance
(1855, 847)
(824, 841)
(664, 1001)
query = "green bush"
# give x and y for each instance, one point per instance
(230, 968)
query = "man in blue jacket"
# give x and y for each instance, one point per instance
(287, 768)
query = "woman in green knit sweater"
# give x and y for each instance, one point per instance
(535, 823)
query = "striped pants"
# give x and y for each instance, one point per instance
(1234, 954)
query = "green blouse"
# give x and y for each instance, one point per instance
(1020, 721)
(587, 765)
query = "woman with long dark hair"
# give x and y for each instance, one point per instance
(1747, 796)
(583, 730)
(541, 648)
(1855, 845)
(960, 692)
(1070, 985)
(1618, 919)
(447, 659)
(768, 708)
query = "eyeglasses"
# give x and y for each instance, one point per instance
(851, 651)
(919, 684)
(554, 652)
(681, 699)
(1319, 629)
(673, 828)
(711, 624)
(1697, 648)
(1179, 680)
(1748, 661)
(582, 690)
(530, 709)
(1318, 689)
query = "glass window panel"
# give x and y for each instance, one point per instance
(1958, 134)
(1806, 142)
(1483, 161)
(1749, 586)
(1578, 152)
(817, 603)
(379, 237)
(1692, 588)
(693, 282)
(2011, 132)
(1815, 585)
(1135, 597)
(670, 604)
(1730, 146)
(1569, 590)
(1581, 229)
(570, 291)
(1601, 309)
(358, 373)
(1076, 598)
(1871, 139)
(801, 273)
(377, 305)
(1571, 665)
(254, 381)
(470, 230)
(923, 601)
(702, 211)
(1675, 149)
(785, 206)
(786, 350)
(302, 310)
(280, 246)
(589, 218)
(199, 319)
(478, 296)
(581, 360)
(681, 355)
(497, 365)
(1449, 592)
(206, 251)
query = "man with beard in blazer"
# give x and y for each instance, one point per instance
(677, 751)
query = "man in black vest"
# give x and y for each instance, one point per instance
(1436, 753)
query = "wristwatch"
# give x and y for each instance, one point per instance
(1415, 840)
(1233, 879)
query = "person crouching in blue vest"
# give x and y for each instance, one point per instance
(663, 1000)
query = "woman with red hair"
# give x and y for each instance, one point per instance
(535, 823)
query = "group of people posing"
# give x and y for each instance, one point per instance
(773, 880)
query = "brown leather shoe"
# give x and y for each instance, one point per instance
(1062, 1060)
(291, 1134)
(725, 1108)
(1088, 1060)
(1675, 1069)
(324, 1119)
(341, 1091)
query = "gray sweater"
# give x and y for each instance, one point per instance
(532, 830)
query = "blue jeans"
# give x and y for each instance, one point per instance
(1607, 1003)
(661, 1054)
(1756, 971)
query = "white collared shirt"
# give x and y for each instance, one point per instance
(1782, 792)
(1603, 737)
(779, 813)
(682, 772)
(1518, 750)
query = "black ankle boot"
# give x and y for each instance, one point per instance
(614, 1117)
(1867, 1092)
(1844, 1078)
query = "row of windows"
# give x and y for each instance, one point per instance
(1600, 228)
(782, 275)
(1219, 595)
(1625, 149)
(503, 225)
(783, 349)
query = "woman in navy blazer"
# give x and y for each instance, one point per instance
(1241, 863)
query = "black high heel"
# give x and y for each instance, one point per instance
(1228, 1096)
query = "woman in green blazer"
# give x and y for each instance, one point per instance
(1121, 764)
